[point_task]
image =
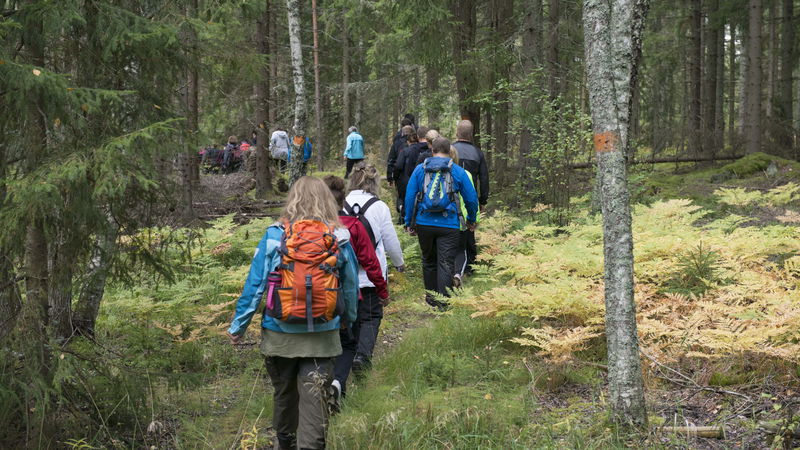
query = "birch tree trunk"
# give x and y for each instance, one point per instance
(263, 175)
(613, 39)
(88, 304)
(753, 88)
(320, 147)
(296, 165)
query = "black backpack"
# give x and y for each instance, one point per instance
(358, 211)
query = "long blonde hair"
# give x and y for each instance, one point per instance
(310, 199)
(367, 178)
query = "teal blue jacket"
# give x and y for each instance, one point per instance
(355, 146)
(266, 259)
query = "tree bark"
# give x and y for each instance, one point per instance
(61, 266)
(88, 305)
(613, 39)
(531, 58)
(431, 87)
(320, 133)
(192, 103)
(502, 18)
(772, 61)
(10, 298)
(464, 27)
(785, 104)
(732, 141)
(553, 41)
(710, 88)
(274, 106)
(695, 77)
(263, 94)
(754, 76)
(345, 78)
(296, 165)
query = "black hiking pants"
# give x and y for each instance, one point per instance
(358, 343)
(350, 164)
(462, 257)
(439, 247)
(472, 250)
(299, 407)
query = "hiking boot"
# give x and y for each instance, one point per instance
(457, 281)
(335, 398)
(360, 366)
(285, 442)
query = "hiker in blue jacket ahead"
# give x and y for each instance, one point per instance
(433, 212)
(354, 151)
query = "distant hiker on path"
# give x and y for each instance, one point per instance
(309, 272)
(398, 143)
(461, 255)
(433, 213)
(279, 145)
(472, 160)
(354, 150)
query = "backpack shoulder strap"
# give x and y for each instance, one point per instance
(370, 202)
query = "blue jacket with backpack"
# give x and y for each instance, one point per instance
(355, 146)
(266, 259)
(432, 196)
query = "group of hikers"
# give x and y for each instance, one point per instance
(232, 156)
(323, 272)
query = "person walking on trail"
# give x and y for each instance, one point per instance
(279, 145)
(430, 136)
(307, 266)
(407, 161)
(398, 175)
(398, 143)
(360, 341)
(354, 151)
(363, 202)
(229, 154)
(461, 255)
(433, 213)
(472, 160)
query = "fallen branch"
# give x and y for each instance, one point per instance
(781, 429)
(588, 165)
(693, 431)
(685, 379)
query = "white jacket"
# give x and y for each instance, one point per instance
(380, 219)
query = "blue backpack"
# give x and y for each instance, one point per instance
(438, 193)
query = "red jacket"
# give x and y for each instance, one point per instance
(365, 253)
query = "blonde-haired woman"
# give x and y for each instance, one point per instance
(299, 357)
(364, 199)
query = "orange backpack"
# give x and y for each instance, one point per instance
(305, 286)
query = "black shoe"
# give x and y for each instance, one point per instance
(361, 365)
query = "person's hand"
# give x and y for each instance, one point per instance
(386, 301)
(472, 226)
(234, 338)
(401, 269)
(411, 231)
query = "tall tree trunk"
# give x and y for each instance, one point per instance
(320, 143)
(192, 103)
(772, 60)
(417, 92)
(744, 73)
(431, 87)
(502, 18)
(613, 39)
(553, 41)
(296, 165)
(719, 108)
(10, 298)
(753, 90)
(531, 58)
(788, 51)
(710, 88)
(88, 305)
(61, 264)
(464, 27)
(263, 94)
(359, 100)
(732, 141)
(272, 23)
(695, 77)
(345, 78)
